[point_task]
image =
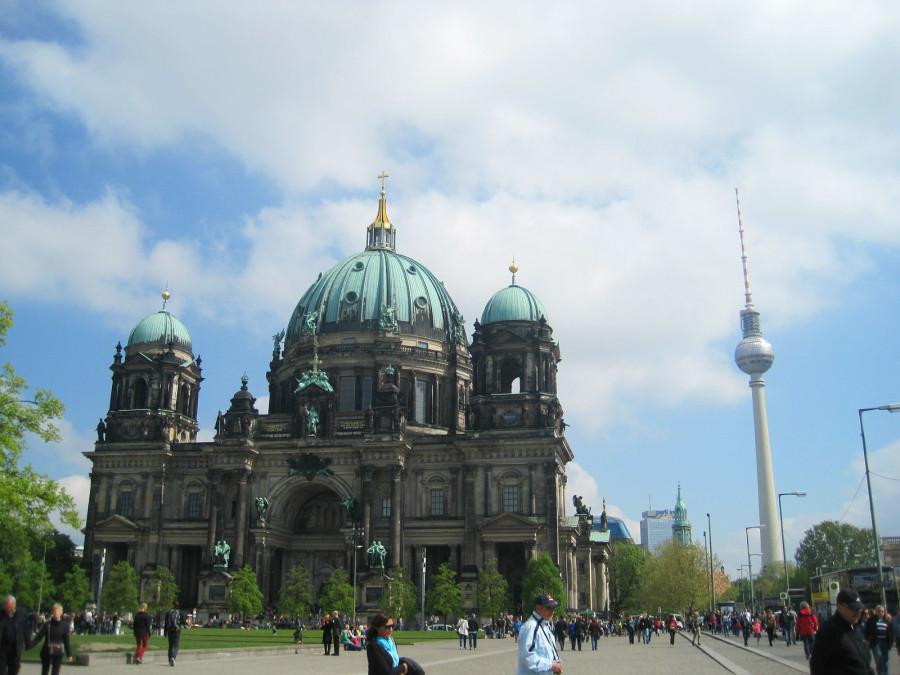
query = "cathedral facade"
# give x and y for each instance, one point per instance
(391, 439)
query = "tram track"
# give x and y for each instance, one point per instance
(734, 657)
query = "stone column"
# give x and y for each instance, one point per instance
(148, 494)
(573, 576)
(469, 474)
(488, 493)
(368, 497)
(590, 581)
(241, 521)
(396, 489)
(601, 585)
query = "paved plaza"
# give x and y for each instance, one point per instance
(492, 656)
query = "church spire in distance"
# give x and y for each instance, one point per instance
(381, 233)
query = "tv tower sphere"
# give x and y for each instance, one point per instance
(754, 354)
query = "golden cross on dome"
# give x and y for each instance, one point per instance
(384, 174)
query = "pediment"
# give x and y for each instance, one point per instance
(116, 522)
(509, 521)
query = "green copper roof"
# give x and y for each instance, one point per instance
(378, 290)
(160, 328)
(513, 303)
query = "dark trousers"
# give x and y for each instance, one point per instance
(174, 642)
(473, 639)
(49, 662)
(9, 660)
(671, 637)
(337, 645)
(327, 645)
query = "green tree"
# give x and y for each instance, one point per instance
(120, 589)
(493, 590)
(400, 594)
(161, 590)
(28, 499)
(337, 593)
(542, 576)
(34, 587)
(446, 595)
(59, 554)
(676, 578)
(244, 596)
(296, 593)
(626, 568)
(831, 545)
(74, 592)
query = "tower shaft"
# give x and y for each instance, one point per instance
(770, 533)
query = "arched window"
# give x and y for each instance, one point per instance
(510, 372)
(140, 394)
(184, 400)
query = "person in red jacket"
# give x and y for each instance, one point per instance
(807, 627)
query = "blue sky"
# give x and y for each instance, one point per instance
(233, 153)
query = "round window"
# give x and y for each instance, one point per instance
(351, 297)
(411, 269)
(421, 302)
(358, 265)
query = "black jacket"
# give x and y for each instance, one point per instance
(839, 650)
(20, 626)
(141, 624)
(380, 662)
(871, 631)
(54, 631)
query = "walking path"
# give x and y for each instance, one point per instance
(492, 656)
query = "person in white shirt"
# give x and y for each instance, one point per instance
(537, 646)
(462, 630)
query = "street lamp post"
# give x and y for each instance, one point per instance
(354, 541)
(712, 576)
(706, 555)
(892, 407)
(749, 562)
(787, 585)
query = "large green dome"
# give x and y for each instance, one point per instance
(160, 328)
(513, 303)
(377, 289)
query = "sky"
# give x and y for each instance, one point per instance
(231, 152)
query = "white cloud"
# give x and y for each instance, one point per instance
(583, 484)
(598, 146)
(79, 488)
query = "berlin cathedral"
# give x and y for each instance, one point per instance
(388, 430)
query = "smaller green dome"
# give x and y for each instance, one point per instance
(513, 303)
(160, 328)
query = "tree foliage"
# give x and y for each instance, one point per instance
(337, 593)
(120, 589)
(626, 569)
(493, 590)
(244, 596)
(28, 499)
(161, 590)
(541, 577)
(446, 595)
(74, 592)
(831, 545)
(296, 593)
(400, 594)
(34, 587)
(676, 579)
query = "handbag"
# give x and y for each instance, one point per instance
(56, 648)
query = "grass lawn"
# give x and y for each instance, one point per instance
(224, 638)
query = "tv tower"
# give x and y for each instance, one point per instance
(754, 355)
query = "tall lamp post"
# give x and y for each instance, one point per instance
(787, 584)
(892, 407)
(712, 576)
(749, 563)
(706, 554)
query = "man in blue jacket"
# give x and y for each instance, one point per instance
(537, 646)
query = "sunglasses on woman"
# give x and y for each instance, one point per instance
(389, 625)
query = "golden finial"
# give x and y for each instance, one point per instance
(381, 218)
(513, 268)
(166, 295)
(384, 174)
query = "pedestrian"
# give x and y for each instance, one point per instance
(560, 628)
(770, 626)
(896, 624)
(298, 636)
(629, 627)
(335, 627)
(55, 632)
(462, 631)
(381, 651)
(746, 627)
(807, 627)
(173, 632)
(838, 648)
(672, 626)
(141, 629)
(537, 650)
(572, 630)
(788, 622)
(14, 637)
(880, 636)
(473, 632)
(695, 628)
(757, 629)
(595, 630)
